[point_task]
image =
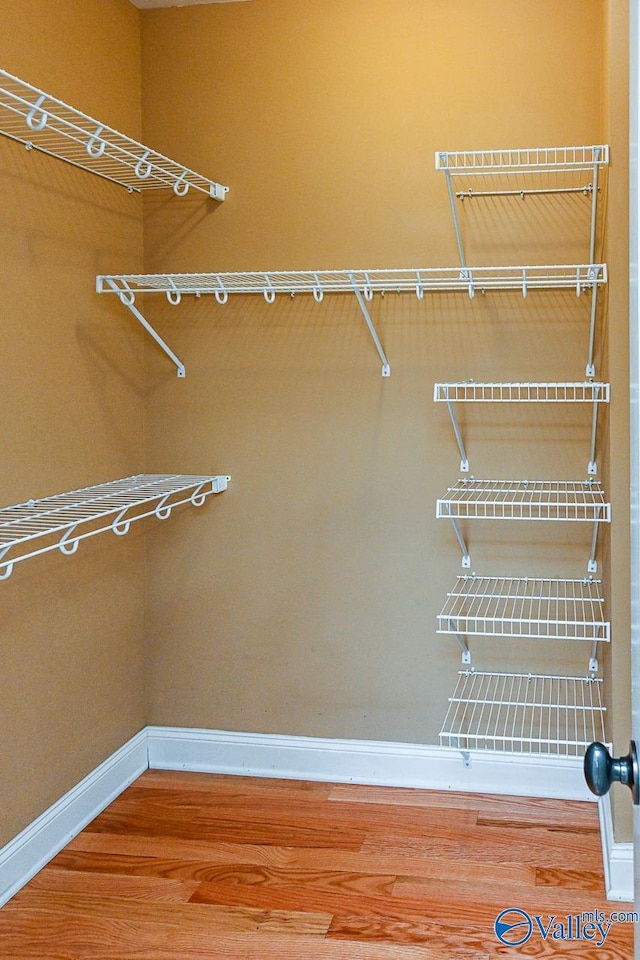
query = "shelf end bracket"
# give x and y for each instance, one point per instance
(466, 653)
(445, 507)
(127, 297)
(386, 368)
(464, 460)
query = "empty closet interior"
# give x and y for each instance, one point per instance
(361, 268)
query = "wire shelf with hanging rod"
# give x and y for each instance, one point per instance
(61, 521)
(536, 172)
(42, 122)
(363, 284)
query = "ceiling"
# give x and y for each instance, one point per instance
(148, 4)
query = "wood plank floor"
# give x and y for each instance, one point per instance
(191, 866)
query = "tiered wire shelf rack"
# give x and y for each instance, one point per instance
(527, 173)
(471, 392)
(363, 284)
(60, 522)
(525, 608)
(550, 500)
(524, 714)
(43, 123)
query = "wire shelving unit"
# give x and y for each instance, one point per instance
(472, 392)
(524, 714)
(61, 521)
(42, 122)
(549, 500)
(363, 284)
(528, 173)
(527, 608)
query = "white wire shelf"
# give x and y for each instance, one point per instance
(524, 714)
(43, 123)
(555, 500)
(362, 283)
(419, 281)
(529, 159)
(472, 392)
(60, 522)
(525, 608)
(525, 500)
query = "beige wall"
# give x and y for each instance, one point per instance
(305, 600)
(71, 690)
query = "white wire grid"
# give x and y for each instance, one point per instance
(63, 520)
(525, 500)
(470, 391)
(531, 159)
(43, 123)
(522, 713)
(579, 277)
(526, 608)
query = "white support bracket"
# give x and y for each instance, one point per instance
(454, 212)
(466, 653)
(592, 565)
(464, 460)
(466, 558)
(386, 369)
(593, 660)
(128, 299)
(592, 468)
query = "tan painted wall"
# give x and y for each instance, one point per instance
(304, 600)
(71, 689)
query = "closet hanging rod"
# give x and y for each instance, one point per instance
(470, 194)
(44, 123)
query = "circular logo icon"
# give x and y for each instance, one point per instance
(513, 927)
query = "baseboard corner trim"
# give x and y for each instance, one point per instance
(41, 840)
(617, 857)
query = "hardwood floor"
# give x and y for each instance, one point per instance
(192, 866)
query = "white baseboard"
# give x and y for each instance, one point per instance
(364, 761)
(617, 857)
(38, 843)
(379, 763)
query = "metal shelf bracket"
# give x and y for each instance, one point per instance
(127, 297)
(368, 294)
